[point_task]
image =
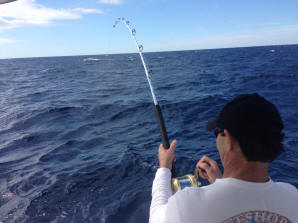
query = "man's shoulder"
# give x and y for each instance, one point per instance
(187, 192)
(287, 187)
(226, 186)
(194, 192)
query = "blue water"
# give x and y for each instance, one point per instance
(79, 138)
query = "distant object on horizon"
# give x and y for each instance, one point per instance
(6, 1)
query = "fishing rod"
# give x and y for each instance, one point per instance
(158, 113)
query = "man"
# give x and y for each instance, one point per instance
(248, 137)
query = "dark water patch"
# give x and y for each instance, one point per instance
(63, 153)
(135, 210)
(47, 117)
(31, 141)
(53, 70)
(132, 111)
(107, 113)
(78, 132)
(293, 143)
(10, 163)
(96, 202)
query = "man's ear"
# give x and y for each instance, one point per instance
(229, 140)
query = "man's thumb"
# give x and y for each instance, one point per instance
(173, 144)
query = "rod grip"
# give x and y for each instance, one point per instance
(162, 127)
(163, 132)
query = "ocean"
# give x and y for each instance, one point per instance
(79, 137)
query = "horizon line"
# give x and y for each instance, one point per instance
(162, 51)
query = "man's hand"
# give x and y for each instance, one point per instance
(208, 169)
(167, 156)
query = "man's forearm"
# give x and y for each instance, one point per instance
(161, 192)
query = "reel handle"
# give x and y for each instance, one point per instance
(163, 132)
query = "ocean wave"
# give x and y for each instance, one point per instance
(63, 153)
(53, 70)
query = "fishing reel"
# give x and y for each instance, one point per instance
(188, 180)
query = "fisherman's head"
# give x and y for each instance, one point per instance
(254, 124)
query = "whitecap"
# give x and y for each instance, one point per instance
(95, 59)
(92, 59)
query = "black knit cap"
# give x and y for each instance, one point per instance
(250, 117)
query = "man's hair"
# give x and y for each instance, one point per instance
(256, 124)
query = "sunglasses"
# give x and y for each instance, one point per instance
(217, 131)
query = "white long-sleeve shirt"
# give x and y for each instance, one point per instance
(227, 200)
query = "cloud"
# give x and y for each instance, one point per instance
(28, 12)
(111, 2)
(6, 40)
(86, 11)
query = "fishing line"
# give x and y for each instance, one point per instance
(158, 113)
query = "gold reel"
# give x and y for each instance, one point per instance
(188, 180)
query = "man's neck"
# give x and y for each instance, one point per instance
(247, 171)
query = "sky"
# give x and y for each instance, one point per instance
(38, 28)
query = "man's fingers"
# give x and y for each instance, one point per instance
(167, 156)
(204, 166)
(208, 169)
(203, 173)
(172, 146)
(203, 162)
(203, 169)
(209, 161)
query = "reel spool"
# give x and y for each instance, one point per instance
(188, 180)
